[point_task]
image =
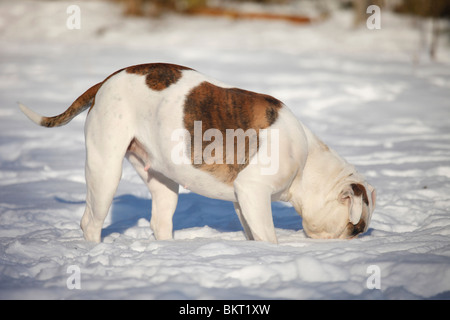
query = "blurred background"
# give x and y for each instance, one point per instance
(306, 11)
(424, 24)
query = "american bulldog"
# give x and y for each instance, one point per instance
(178, 127)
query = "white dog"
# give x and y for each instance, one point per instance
(177, 126)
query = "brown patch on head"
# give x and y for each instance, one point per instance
(359, 190)
(242, 112)
(159, 76)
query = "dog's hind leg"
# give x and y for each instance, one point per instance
(163, 190)
(103, 174)
(106, 146)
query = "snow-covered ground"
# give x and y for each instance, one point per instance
(357, 89)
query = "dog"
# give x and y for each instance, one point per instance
(177, 126)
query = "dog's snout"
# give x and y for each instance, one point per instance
(357, 228)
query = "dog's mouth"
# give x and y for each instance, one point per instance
(350, 231)
(353, 230)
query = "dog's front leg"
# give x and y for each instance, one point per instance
(164, 202)
(247, 231)
(255, 209)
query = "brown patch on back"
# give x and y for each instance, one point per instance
(222, 109)
(159, 76)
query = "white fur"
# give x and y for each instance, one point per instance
(310, 176)
(33, 116)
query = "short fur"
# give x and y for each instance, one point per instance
(228, 108)
(146, 112)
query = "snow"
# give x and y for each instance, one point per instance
(362, 91)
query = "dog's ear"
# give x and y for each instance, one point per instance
(356, 209)
(354, 195)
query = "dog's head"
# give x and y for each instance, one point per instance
(343, 213)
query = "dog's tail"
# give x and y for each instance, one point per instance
(82, 103)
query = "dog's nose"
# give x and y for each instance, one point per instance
(358, 228)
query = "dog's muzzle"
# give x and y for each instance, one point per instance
(356, 229)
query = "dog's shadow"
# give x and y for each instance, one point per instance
(192, 211)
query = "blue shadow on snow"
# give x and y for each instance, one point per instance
(192, 211)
